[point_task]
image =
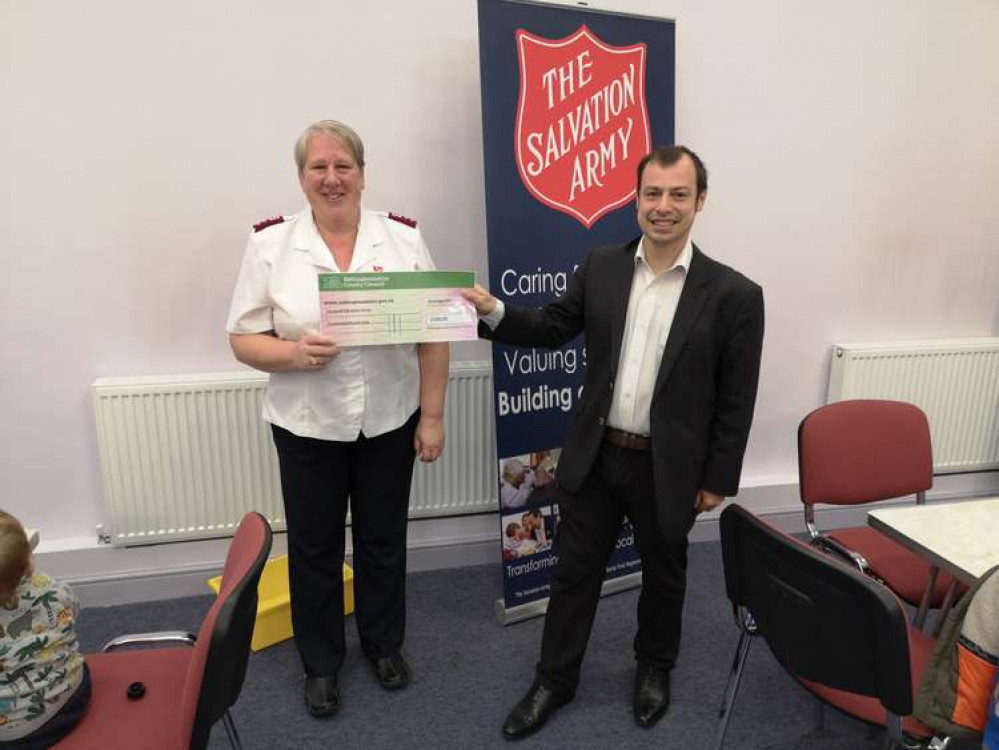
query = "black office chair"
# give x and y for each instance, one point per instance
(840, 634)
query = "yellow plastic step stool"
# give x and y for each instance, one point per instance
(273, 623)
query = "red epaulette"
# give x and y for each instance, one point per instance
(268, 223)
(403, 219)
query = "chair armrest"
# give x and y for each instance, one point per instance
(827, 544)
(161, 638)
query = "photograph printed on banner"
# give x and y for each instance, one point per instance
(529, 532)
(528, 479)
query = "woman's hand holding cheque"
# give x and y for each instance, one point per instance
(313, 351)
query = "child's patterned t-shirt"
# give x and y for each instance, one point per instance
(40, 665)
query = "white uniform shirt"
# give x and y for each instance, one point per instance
(369, 389)
(651, 309)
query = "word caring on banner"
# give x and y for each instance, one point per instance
(582, 122)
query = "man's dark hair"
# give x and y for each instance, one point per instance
(667, 156)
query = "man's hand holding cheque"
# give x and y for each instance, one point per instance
(484, 302)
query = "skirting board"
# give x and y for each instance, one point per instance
(103, 575)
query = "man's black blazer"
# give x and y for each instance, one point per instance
(705, 392)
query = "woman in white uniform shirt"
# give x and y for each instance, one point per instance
(347, 423)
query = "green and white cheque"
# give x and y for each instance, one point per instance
(396, 307)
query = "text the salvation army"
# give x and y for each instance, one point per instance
(592, 115)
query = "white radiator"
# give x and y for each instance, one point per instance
(955, 382)
(184, 457)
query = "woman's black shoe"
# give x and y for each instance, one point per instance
(392, 671)
(322, 696)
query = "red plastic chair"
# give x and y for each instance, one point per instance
(187, 690)
(862, 451)
(841, 634)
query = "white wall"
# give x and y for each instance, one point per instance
(852, 149)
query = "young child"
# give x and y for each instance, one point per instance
(514, 537)
(518, 542)
(44, 683)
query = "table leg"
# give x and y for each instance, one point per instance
(924, 603)
(948, 602)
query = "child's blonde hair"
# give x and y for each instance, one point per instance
(15, 558)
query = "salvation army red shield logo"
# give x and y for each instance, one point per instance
(582, 122)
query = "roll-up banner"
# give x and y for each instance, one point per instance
(572, 99)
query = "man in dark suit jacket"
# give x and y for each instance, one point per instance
(673, 342)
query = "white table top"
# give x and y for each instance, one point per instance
(961, 538)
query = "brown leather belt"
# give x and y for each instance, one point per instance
(630, 440)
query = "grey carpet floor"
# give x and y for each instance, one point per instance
(469, 670)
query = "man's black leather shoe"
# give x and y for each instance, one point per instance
(392, 671)
(651, 694)
(322, 696)
(533, 710)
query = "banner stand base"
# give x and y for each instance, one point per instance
(532, 609)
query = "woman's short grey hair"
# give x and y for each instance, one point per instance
(512, 468)
(343, 133)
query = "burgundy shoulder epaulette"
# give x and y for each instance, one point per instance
(403, 219)
(268, 223)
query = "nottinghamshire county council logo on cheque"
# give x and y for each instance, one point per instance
(582, 122)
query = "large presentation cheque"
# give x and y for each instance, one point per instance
(396, 307)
